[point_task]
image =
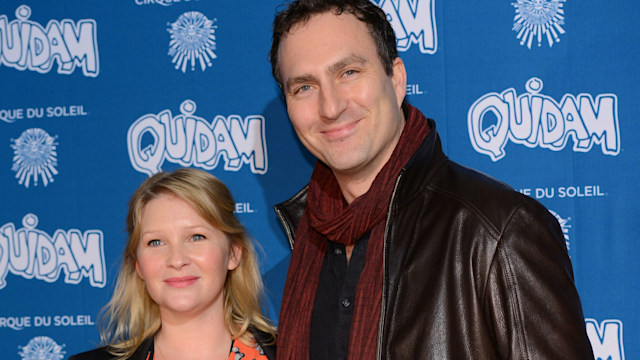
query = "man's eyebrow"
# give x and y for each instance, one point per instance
(351, 59)
(298, 80)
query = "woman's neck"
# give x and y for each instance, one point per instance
(201, 337)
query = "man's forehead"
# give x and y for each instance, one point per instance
(335, 26)
(322, 17)
(347, 39)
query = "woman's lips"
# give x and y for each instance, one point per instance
(182, 281)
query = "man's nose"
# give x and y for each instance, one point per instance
(332, 102)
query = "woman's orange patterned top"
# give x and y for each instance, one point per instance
(242, 351)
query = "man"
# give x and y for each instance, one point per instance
(399, 253)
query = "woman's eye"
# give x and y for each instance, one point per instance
(154, 242)
(197, 237)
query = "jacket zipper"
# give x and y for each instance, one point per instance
(287, 227)
(384, 266)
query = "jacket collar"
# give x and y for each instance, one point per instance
(145, 348)
(422, 166)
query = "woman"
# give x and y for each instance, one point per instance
(189, 285)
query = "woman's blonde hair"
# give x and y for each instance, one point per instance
(131, 316)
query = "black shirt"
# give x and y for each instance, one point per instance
(335, 297)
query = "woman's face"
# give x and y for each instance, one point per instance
(182, 259)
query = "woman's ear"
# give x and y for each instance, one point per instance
(235, 255)
(138, 271)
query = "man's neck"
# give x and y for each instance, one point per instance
(352, 188)
(356, 183)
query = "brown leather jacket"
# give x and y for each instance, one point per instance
(472, 268)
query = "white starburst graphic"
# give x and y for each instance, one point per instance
(564, 225)
(34, 156)
(539, 19)
(42, 348)
(192, 41)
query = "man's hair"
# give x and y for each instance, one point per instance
(300, 11)
(132, 316)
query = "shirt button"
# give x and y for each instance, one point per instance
(345, 303)
(337, 251)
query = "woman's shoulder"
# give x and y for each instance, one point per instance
(102, 353)
(95, 354)
(264, 344)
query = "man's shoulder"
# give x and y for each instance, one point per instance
(467, 189)
(466, 181)
(471, 185)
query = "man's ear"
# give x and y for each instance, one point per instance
(399, 78)
(235, 255)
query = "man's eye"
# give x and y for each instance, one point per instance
(154, 242)
(198, 237)
(350, 72)
(302, 89)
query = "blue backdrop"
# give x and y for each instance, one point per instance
(96, 96)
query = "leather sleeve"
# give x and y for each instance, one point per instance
(531, 302)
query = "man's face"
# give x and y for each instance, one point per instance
(344, 107)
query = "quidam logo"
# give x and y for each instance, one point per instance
(25, 44)
(34, 156)
(193, 40)
(606, 339)
(538, 19)
(29, 252)
(190, 140)
(41, 347)
(413, 22)
(536, 120)
(564, 225)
